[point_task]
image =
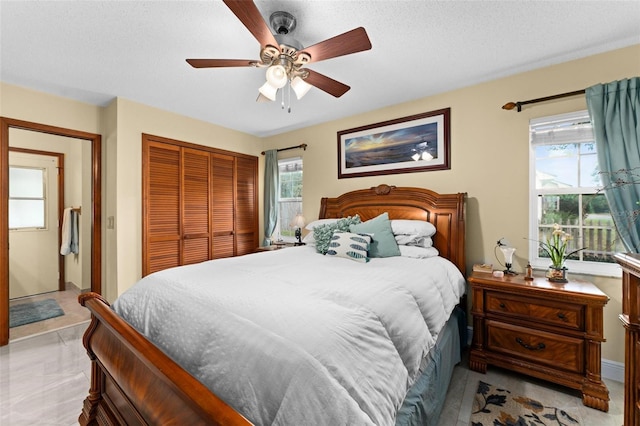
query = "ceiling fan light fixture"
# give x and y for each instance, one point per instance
(300, 87)
(277, 76)
(262, 98)
(268, 91)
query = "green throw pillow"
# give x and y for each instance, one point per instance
(383, 242)
(323, 233)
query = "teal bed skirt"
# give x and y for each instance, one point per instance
(425, 399)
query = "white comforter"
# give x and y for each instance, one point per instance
(293, 337)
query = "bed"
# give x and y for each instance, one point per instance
(135, 381)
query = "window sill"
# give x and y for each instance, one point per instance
(609, 270)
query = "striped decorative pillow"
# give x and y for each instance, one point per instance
(349, 245)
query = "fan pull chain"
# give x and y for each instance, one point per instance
(289, 97)
(282, 103)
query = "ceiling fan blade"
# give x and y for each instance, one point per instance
(324, 83)
(352, 41)
(247, 12)
(217, 63)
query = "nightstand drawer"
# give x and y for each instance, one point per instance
(536, 346)
(564, 315)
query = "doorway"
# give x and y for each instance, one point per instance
(94, 210)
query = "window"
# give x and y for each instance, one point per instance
(565, 189)
(289, 196)
(27, 201)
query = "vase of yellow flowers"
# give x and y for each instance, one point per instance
(556, 248)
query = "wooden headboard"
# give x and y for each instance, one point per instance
(445, 211)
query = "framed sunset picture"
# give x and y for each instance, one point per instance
(417, 143)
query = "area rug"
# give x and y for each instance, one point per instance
(26, 313)
(496, 406)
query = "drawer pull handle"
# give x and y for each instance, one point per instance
(539, 347)
(562, 316)
(502, 305)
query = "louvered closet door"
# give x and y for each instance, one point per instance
(196, 222)
(247, 199)
(161, 248)
(222, 204)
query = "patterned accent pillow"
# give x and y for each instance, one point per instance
(322, 234)
(350, 246)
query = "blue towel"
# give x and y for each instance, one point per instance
(74, 232)
(70, 232)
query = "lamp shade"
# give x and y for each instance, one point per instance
(300, 86)
(268, 91)
(298, 221)
(507, 252)
(277, 76)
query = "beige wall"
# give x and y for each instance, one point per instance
(489, 157)
(133, 119)
(25, 104)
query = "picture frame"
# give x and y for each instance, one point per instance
(417, 143)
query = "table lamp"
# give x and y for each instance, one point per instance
(507, 253)
(298, 223)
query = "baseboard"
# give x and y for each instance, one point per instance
(611, 370)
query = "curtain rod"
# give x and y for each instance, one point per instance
(302, 145)
(518, 105)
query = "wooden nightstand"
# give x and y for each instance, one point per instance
(543, 329)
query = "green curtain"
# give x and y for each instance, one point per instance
(271, 185)
(614, 109)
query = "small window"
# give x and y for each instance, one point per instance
(566, 190)
(289, 196)
(27, 200)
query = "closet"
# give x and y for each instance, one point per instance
(199, 203)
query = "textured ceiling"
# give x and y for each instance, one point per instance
(94, 51)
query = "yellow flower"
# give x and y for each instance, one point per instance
(556, 246)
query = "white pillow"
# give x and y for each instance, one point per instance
(418, 252)
(420, 228)
(350, 246)
(414, 240)
(309, 239)
(319, 222)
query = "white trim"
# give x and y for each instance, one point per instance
(612, 270)
(610, 370)
(579, 267)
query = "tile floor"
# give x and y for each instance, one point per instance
(68, 301)
(45, 378)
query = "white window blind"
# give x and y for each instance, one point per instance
(561, 129)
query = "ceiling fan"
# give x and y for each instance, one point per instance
(284, 57)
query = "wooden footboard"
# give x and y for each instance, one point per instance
(135, 383)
